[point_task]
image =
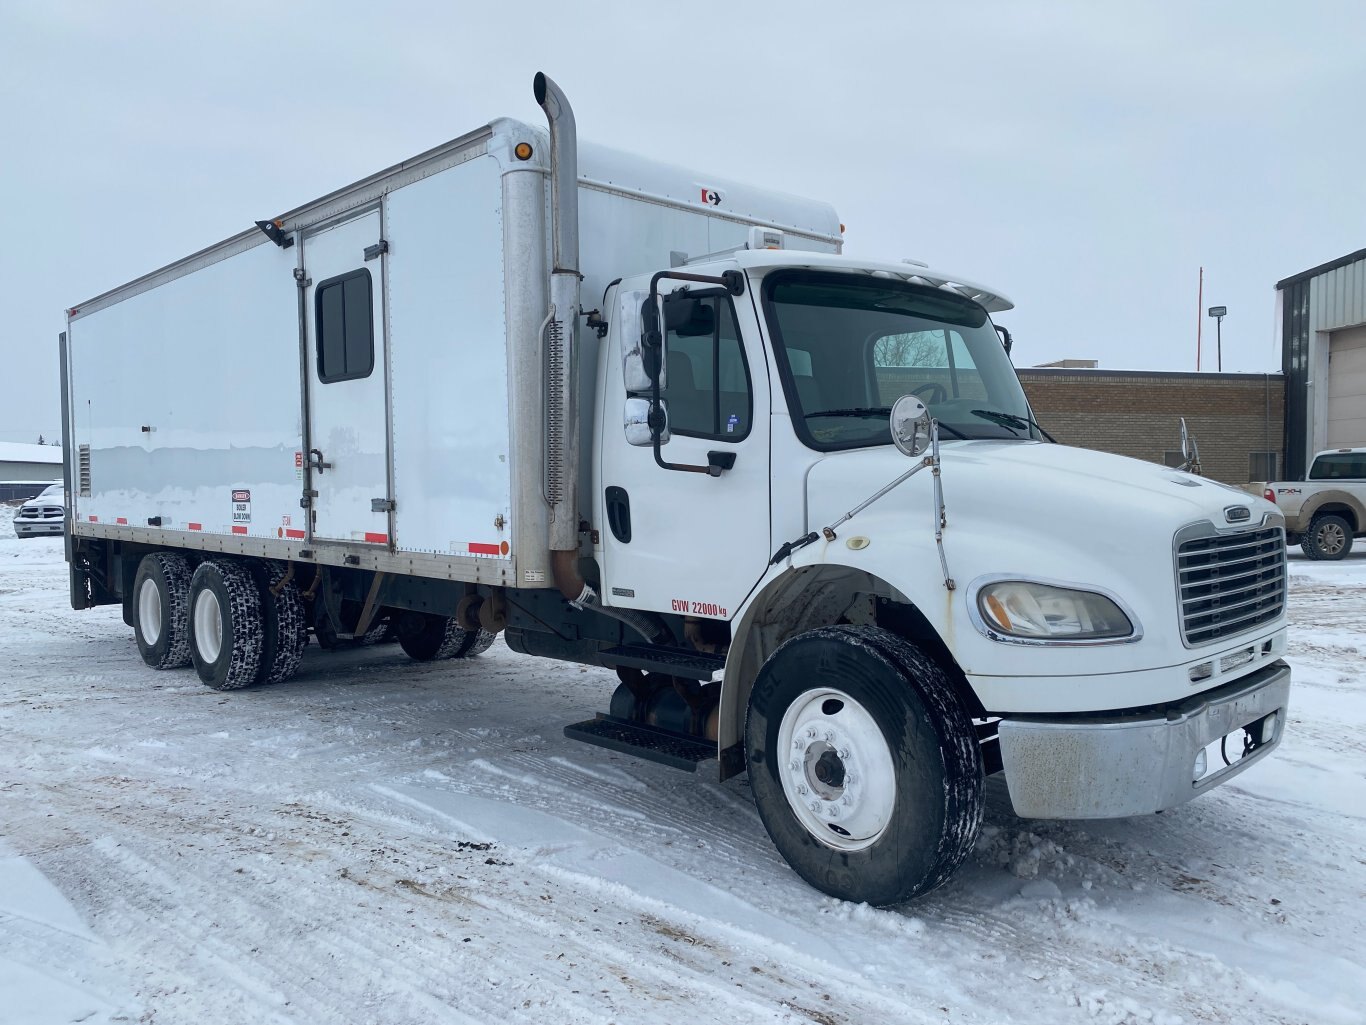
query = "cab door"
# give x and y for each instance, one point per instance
(678, 540)
(348, 435)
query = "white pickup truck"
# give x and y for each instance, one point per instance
(1325, 512)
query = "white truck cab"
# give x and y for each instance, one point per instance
(797, 500)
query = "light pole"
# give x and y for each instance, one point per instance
(1219, 313)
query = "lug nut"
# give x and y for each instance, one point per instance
(811, 732)
(801, 789)
(844, 754)
(795, 765)
(815, 806)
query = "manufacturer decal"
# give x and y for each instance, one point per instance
(624, 592)
(698, 608)
(241, 507)
(1287, 491)
(711, 197)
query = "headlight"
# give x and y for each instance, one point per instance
(1021, 608)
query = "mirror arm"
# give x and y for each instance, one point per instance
(733, 282)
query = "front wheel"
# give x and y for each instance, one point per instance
(1329, 537)
(864, 765)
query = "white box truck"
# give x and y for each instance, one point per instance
(637, 417)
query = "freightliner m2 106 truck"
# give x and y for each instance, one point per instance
(636, 417)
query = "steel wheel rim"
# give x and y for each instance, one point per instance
(1331, 538)
(208, 626)
(836, 769)
(149, 611)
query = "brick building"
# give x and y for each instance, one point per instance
(1238, 419)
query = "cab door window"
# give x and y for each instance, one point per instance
(708, 393)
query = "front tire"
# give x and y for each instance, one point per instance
(864, 765)
(226, 629)
(160, 610)
(1329, 538)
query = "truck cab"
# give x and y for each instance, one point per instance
(1099, 623)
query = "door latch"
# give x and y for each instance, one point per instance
(315, 460)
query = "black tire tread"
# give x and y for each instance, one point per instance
(175, 572)
(244, 630)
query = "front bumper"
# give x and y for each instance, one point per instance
(1109, 766)
(28, 528)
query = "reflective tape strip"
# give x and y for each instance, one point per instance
(195, 526)
(122, 521)
(296, 534)
(238, 530)
(483, 549)
(377, 539)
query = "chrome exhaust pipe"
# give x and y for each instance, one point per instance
(561, 337)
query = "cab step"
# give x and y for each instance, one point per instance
(690, 665)
(642, 741)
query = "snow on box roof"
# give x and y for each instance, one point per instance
(20, 452)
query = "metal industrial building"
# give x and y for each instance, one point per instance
(26, 469)
(1322, 322)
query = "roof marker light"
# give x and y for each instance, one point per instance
(522, 151)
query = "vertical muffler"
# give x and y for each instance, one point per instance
(562, 363)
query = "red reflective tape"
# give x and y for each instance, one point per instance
(296, 534)
(482, 549)
(123, 520)
(94, 519)
(195, 526)
(377, 539)
(239, 530)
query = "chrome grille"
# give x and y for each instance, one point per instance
(1230, 583)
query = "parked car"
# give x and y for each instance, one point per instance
(1325, 512)
(44, 514)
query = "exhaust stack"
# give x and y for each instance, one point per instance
(562, 363)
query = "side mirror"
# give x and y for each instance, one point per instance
(1006, 340)
(631, 330)
(636, 420)
(689, 318)
(910, 424)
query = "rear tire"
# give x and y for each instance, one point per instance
(226, 629)
(430, 638)
(284, 634)
(864, 765)
(1329, 538)
(160, 610)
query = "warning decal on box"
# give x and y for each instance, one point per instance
(241, 507)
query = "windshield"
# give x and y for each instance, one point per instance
(51, 491)
(848, 347)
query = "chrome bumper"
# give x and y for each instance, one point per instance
(1110, 766)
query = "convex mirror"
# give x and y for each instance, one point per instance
(910, 422)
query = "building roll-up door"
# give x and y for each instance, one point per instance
(1347, 388)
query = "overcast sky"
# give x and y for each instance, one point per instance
(1085, 159)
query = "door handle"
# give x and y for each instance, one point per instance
(315, 460)
(619, 514)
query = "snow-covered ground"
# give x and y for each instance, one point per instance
(379, 841)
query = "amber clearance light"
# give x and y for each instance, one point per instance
(522, 151)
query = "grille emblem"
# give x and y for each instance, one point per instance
(1237, 513)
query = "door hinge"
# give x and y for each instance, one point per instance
(382, 505)
(373, 252)
(301, 277)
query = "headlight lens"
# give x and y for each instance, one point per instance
(1020, 608)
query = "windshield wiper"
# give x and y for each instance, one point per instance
(883, 411)
(1012, 422)
(853, 411)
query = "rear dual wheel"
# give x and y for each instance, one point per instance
(160, 612)
(429, 638)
